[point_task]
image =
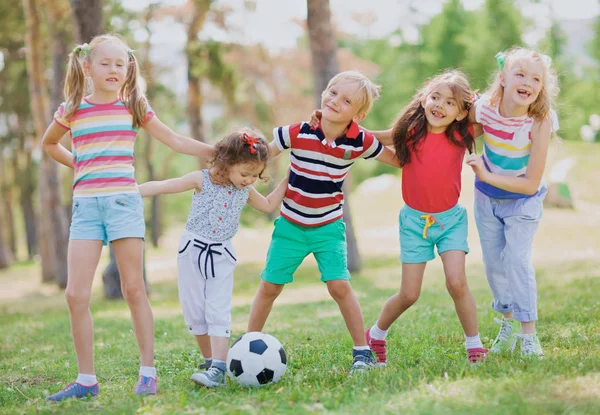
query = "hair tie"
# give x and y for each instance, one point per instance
(81, 49)
(252, 142)
(500, 58)
(130, 53)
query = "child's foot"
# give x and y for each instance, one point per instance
(362, 360)
(379, 347)
(211, 378)
(145, 386)
(75, 390)
(204, 366)
(505, 338)
(530, 345)
(477, 355)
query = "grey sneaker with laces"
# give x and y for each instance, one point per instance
(213, 377)
(207, 364)
(530, 345)
(362, 360)
(505, 338)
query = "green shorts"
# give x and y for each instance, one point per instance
(291, 243)
(421, 232)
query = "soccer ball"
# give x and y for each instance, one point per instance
(256, 359)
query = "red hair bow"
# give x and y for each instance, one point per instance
(251, 141)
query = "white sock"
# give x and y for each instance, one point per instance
(86, 380)
(361, 348)
(473, 342)
(148, 371)
(376, 333)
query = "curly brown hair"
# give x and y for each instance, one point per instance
(246, 145)
(411, 125)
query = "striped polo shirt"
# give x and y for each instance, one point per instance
(103, 140)
(314, 195)
(506, 146)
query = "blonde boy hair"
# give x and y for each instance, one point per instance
(370, 90)
(545, 101)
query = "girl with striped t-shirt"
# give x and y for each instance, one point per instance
(107, 206)
(517, 119)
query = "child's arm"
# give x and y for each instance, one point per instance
(274, 151)
(272, 202)
(51, 144)
(529, 184)
(181, 184)
(184, 145)
(388, 156)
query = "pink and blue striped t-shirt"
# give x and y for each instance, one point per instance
(103, 139)
(506, 146)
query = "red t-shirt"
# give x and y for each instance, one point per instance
(431, 181)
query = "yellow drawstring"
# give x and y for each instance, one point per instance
(429, 221)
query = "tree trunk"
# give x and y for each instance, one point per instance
(52, 223)
(58, 22)
(195, 61)
(5, 253)
(25, 177)
(87, 19)
(323, 46)
(6, 189)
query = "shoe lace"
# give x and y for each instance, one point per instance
(505, 330)
(527, 345)
(214, 373)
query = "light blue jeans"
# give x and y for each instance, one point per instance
(506, 230)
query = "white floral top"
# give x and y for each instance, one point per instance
(215, 211)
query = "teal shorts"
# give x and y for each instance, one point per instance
(420, 232)
(291, 243)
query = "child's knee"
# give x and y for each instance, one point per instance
(457, 286)
(339, 289)
(270, 290)
(134, 292)
(77, 300)
(409, 297)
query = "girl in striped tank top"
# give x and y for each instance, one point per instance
(107, 206)
(517, 119)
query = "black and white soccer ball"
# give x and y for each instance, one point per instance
(256, 359)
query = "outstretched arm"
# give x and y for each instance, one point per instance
(51, 144)
(181, 144)
(273, 201)
(388, 156)
(528, 184)
(181, 184)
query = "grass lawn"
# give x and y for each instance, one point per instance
(427, 371)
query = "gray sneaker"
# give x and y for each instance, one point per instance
(363, 360)
(211, 378)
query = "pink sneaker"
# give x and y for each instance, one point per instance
(477, 355)
(378, 346)
(145, 386)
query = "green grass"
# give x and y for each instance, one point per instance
(427, 371)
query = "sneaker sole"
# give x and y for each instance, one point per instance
(201, 381)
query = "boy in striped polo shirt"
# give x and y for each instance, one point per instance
(311, 212)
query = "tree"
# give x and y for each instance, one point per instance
(323, 48)
(51, 213)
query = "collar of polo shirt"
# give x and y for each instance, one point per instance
(352, 132)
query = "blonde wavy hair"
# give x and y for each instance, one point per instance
(130, 93)
(545, 101)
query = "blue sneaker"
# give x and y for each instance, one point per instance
(145, 386)
(362, 360)
(75, 390)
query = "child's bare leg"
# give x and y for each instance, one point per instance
(83, 257)
(410, 290)
(456, 282)
(219, 347)
(205, 345)
(341, 291)
(129, 254)
(262, 304)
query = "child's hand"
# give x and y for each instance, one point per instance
(315, 118)
(476, 163)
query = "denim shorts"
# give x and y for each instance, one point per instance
(420, 232)
(291, 243)
(108, 218)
